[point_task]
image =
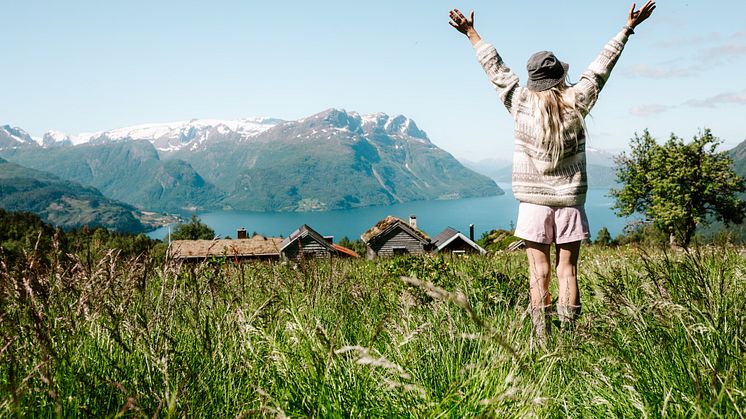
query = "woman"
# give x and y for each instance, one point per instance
(549, 166)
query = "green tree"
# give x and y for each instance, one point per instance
(603, 238)
(357, 245)
(193, 230)
(678, 185)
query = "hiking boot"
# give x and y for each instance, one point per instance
(567, 315)
(541, 319)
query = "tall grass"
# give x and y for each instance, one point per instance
(661, 335)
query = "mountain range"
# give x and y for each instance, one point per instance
(332, 160)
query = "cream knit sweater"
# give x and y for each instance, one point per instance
(535, 179)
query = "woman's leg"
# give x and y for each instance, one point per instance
(568, 300)
(540, 271)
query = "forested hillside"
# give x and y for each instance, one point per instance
(63, 203)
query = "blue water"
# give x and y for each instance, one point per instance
(432, 216)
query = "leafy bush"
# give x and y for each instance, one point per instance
(195, 229)
(497, 240)
(24, 233)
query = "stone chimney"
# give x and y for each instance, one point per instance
(471, 232)
(241, 233)
(413, 221)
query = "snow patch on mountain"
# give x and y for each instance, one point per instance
(196, 134)
(16, 134)
(397, 125)
(54, 139)
(171, 136)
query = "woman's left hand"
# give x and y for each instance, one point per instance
(460, 22)
(464, 25)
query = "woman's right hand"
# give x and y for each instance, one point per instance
(635, 17)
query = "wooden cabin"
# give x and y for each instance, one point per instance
(393, 236)
(307, 243)
(255, 248)
(454, 242)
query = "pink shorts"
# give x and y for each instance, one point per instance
(542, 224)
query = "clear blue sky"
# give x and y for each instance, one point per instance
(78, 66)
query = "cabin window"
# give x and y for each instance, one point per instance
(400, 251)
(459, 252)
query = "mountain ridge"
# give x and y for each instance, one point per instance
(164, 136)
(333, 159)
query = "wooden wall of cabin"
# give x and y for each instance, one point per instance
(458, 244)
(386, 245)
(310, 248)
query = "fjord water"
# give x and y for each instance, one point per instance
(432, 216)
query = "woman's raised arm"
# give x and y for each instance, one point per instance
(595, 76)
(501, 77)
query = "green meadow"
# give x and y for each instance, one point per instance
(662, 334)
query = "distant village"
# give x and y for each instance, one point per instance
(389, 237)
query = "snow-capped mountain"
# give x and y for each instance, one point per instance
(14, 137)
(331, 160)
(55, 139)
(170, 136)
(194, 135)
(398, 125)
(331, 122)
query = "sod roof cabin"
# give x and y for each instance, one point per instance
(307, 243)
(257, 248)
(454, 242)
(394, 236)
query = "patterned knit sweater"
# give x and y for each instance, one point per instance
(535, 179)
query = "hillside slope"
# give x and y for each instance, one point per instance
(63, 203)
(738, 154)
(129, 171)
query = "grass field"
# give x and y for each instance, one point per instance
(662, 334)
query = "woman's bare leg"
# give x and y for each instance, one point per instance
(568, 300)
(540, 271)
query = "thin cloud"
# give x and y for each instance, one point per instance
(648, 110)
(657, 72)
(726, 51)
(726, 98)
(713, 48)
(689, 41)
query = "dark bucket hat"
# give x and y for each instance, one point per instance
(545, 71)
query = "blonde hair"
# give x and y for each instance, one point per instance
(560, 117)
